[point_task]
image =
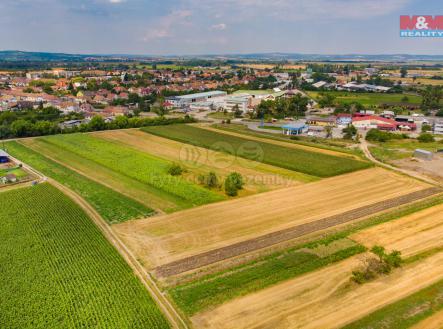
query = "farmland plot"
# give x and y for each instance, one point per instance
(140, 166)
(58, 270)
(411, 235)
(165, 239)
(213, 289)
(258, 176)
(423, 309)
(110, 204)
(321, 299)
(130, 187)
(293, 158)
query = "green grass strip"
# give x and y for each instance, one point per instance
(111, 205)
(406, 312)
(257, 275)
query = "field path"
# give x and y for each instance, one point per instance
(364, 146)
(320, 299)
(282, 143)
(171, 314)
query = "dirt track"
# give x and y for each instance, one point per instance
(244, 247)
(169, 311)
(320, 300)
(164, 304)
(165, 239)
(412, 234)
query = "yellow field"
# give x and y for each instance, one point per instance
(321, 299)
(433, 322)
(412, 234)
(164, 239)
(422, 81)
(259, 177)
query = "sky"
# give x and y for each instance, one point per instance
(191, 27)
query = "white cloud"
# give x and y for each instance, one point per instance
(165, 26)
(219, 27)
(297, 10)
(117, 1)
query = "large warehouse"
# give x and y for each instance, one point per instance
(186, 100)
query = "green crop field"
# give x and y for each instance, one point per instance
(338, 145)
(406, 312)
(346, 97)
(312, 163)
(111, 205)
(135, 164)
(215, 289)
(18, 172)
(58, 271)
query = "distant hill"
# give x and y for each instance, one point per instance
(13, 55)
(24, 56)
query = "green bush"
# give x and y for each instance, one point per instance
(425, 128)
(175, 170)
(237, 180)
(374, 267)
(210, 180)
(426, 138)
(233, 183)
(230, 188)
(376, 135)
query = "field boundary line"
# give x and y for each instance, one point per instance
(273, 238)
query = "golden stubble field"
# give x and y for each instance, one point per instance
(412, 234)
(321, 299)
(164, 239)
(326, 299)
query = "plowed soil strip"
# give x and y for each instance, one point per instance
(213, 256)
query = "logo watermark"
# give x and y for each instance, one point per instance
(421, 26)
(224, 156)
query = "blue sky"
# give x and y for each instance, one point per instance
(213, 26)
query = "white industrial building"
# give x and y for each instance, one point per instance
(186, 100)
(438, 128)
(243, 103)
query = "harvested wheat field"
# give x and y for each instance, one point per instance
(164, 239)
(322, 299)
(412, 234)
(433, 322)
(258, 176)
